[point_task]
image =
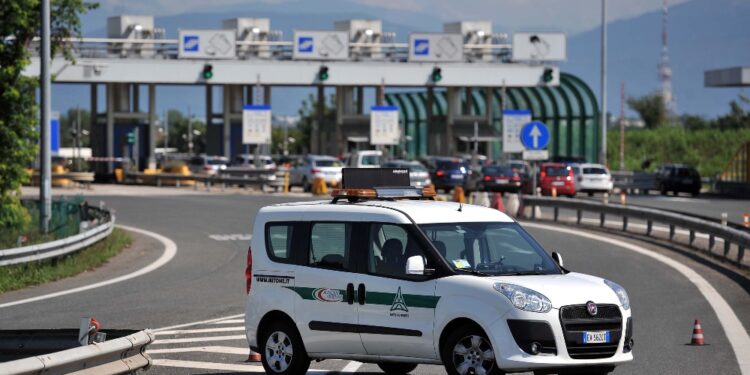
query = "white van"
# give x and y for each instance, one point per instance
(365, 159)
(399, 282)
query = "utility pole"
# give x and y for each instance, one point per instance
(603, 110)
(190, 132)
(166, 133)
(78, 138)
(622, 125)
(45, 185)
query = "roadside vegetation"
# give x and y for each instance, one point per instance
(707, 144)
(24, 275)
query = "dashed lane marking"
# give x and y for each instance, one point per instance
(209, 321)
(231, 237)
(203, 349)
(207, 365)
(733, 328)
(203, 330)
(198, 339)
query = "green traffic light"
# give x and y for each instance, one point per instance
(548, 75)
(437, 74)
(323, 73)
(208, 71)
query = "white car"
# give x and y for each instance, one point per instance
(306, 170)
(592, 178)
(399, 282)
(365, 159)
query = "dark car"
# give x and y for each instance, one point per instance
(501, 178)
(678, 178)
(524, 171)
(447, 173)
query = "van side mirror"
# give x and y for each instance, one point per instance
(415, 265)
(557, 258)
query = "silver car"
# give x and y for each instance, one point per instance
(306, 170)
(210, 165)
(418, 174)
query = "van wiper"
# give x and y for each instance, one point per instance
(523, 273)
(473, 271)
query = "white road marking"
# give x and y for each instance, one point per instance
(203, 349)
(209, 321)
(204, 330)
(230, 321)
(353, 366)
(231, 237)
(170, 250)
(199, 339)
(733, 328)
(208, 365)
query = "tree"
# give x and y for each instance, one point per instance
(178, 133)
(68, 128)
(308, 114)
(651, 109)
(20, 22)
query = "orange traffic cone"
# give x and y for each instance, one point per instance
(497, 202)
(746, 219)
(253, 357)
(697, 334)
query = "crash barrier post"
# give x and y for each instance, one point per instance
(746, 220)
(458, 194)
(93, 224)
(122, 355)
(286, 182)
(734, 236)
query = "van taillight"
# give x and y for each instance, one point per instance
(249, 270)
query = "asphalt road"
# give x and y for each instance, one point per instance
(205, 281)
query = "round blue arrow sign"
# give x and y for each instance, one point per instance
(535, 136)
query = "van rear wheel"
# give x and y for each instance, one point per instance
(468, 351)
(283, 352)
(397, 368)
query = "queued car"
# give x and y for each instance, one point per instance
(447, 173)
(418, 174)
(210, 165)
(523, 168)
(373, 277)
(365, 159)
(307, 169)
(678, 178)
(248, 161)
(592, 178)
(500, 178)
(557, 176)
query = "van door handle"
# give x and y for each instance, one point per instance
(350, 293)
(361, 292)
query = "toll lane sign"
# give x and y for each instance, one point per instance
(256, 124)
(513, 122)
(384, 129)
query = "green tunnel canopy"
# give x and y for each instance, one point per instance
(570, 110)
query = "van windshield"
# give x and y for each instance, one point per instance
(496, 249)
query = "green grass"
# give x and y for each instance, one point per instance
(23, 275)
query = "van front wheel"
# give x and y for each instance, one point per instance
(468, 351)
(396, 368)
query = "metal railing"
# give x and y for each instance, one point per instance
(739, 237)
(259, 178)
(103, 221)
(119, 356)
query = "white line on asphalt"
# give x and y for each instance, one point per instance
(209, 321)
(170, 250)
(231, 237)
(203, 349)
(353, 366)
(208, 365)
(230, 321)
(733, 328)
(203, 330)
(199, 339)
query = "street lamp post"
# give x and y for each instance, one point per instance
(603, 110)
(45, 184)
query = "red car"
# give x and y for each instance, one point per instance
(558, 176)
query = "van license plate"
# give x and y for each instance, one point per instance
(457, 176)
(598, 337)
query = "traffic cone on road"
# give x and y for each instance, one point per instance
(458, 194)
(697, 334)
(253, 357)
(497, 202)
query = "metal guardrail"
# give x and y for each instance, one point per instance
(270, 178)
(119, 356)
(63, 246)
(738, 237)
(630, 181)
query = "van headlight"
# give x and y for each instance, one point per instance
(622, 295)
(524, 298)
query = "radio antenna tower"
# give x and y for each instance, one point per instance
(665, 70)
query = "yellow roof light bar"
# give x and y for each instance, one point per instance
(386, 193)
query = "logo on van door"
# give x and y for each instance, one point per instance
(327, 295)
(399, 305)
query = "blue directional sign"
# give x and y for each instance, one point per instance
(422, 47)
(535, 136)
(305, 44)
(191, 43)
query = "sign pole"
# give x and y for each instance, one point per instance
(45, 185)
(603, 114)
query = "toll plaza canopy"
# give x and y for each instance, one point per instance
(570, 110)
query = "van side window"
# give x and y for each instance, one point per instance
(389, 248)
(329, 245)
(279, 241)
